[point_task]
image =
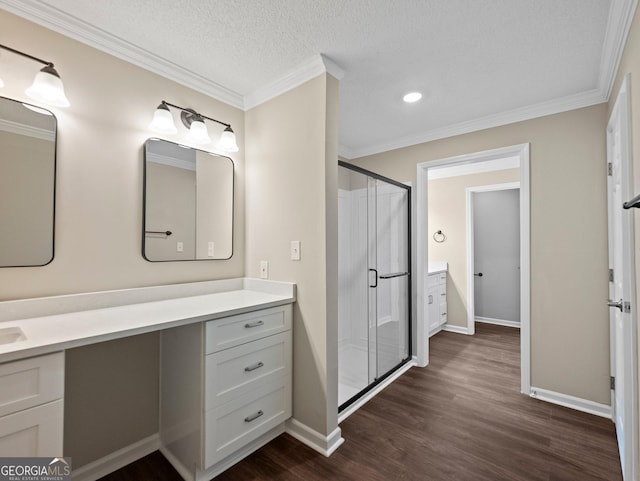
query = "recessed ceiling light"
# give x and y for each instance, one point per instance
(412, 97)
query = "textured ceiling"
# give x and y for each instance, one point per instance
(471, 59)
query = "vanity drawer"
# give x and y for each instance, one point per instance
(235, 330)
(443, 312)
(433, 280)
(235, 424)
(234, 372)
(442, 278)
(31, 382)
(35, 432)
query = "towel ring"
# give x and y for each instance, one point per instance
(439, 237)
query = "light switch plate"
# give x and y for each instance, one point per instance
(180, 247)
(295, 250)
(264, 270)
(210, 246)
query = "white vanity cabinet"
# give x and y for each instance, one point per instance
(225, 389)
(436, 301)
(31, 406)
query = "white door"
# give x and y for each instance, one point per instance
(622, 285)
(496, 256)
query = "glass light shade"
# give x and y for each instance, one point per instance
(47, 87)
(198, 133)
(228, 141)
(163, 121)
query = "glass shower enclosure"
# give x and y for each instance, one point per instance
(374, 300)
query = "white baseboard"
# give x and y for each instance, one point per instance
(116, 460)
(371, 394)
(498, 322)
(325, 445)
(177, 465)
(572, 402)
(456, 329)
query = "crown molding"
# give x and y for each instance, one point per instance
(27, 130)
(316, 65)
(564, 104)
(345, 152)
(72, 27)
(615, 39)
(618, 26)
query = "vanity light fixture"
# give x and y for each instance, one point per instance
(198, 134)
(47, 86)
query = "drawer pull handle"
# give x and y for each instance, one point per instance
(253, 417)
(255, 366)
(249, 325)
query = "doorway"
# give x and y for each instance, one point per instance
(521, 152)
(493, 255)
(374, 300)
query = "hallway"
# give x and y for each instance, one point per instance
(460, 419)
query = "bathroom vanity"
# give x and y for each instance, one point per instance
(225, 366)
(436, 296)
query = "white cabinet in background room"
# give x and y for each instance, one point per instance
(31, 406)
(225, 389)
(436, 301)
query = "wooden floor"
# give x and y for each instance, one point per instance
(460, 419)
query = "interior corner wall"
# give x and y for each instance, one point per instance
(569, 328)
(98, 222)
(630, 64)
(291, 188)
(448, 212)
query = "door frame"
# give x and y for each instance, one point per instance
(621, 111)
(471, 308)
(422, 188)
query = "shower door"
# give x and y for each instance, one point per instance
(375, 284)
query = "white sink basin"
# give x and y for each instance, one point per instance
(9, 335)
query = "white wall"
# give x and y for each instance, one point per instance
(291, 153)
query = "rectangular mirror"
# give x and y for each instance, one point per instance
(188, 203)
(27, 184)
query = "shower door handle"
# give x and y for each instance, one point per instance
(375, 271)
(395, 274)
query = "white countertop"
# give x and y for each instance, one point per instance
(437, 266)
(50, 333)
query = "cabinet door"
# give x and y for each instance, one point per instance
(35, 432)
(433, 308)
